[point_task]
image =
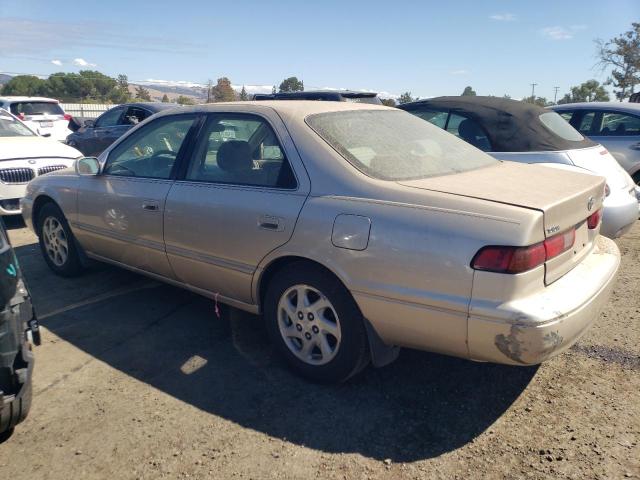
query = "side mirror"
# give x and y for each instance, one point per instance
(88, 166)
(89, 123)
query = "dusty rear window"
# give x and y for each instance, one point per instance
(558, 125)
(395, 145)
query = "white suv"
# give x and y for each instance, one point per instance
(43, 115)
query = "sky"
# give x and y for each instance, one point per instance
(428, 48)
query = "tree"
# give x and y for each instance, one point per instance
(622, 54)
(291, 84)
(165, 98)
(273, 90)
(27, 85)
(184, 100)
(468, 92)
(243, 94)
(405, 98)
(389, 102)
(540, 101)
(143, 94)
(589, 91)
(223, 92)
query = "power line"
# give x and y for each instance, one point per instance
(555, 95)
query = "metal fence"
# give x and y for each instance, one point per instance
(86, 110)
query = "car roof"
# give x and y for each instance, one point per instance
(511, 125)
(12, 98)
(153, 106)
(330, 94)
(618, 106)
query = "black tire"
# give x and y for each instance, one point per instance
(352, 353)
(72, 265)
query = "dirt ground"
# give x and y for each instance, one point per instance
(140, 380)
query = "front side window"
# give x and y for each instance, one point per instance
(10, 127)
(395, 145)
(109, 118)
(559, 126)
(468, 130)
(242, 150)
(151, 151)
(134, 115)
(619, 124)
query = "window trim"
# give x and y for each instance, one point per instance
(182, 173)
(185, 148)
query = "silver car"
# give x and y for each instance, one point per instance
(613, 124)
(354, 229)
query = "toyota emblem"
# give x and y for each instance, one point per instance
(590, 203)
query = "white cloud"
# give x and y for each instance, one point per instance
(503, 17)
(81, 62)
(460, 71)
(57, 62)
(170, 83)
(561, 33)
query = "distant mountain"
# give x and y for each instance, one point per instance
(4, 78)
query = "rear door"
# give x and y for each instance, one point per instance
(237, 200)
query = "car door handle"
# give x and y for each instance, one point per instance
(151, 206)
(269, 222)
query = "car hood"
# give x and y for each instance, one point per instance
(565, 197)
(600, 161)
(12, 148)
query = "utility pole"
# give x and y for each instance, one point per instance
(555, 95)
(533, 92)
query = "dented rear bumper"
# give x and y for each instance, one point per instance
(532, 329)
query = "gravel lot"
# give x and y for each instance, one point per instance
(136, 379)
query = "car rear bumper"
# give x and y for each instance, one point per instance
(620, 211)
(530, 330)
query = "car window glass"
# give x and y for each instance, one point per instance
(439, 119)
(242, 150)
(559, 126)
(10, 127)
(566, 115)
(586, 122)
(109, 118)
(468, 130)
(619, 124)
(151, 151)
(36, 108)
(133, 116)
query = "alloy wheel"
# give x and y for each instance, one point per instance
(55, 241)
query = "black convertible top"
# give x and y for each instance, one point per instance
(510, 125)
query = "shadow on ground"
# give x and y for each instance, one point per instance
(421, 406)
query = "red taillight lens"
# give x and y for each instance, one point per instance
(67, 117)
(594, 220)
(520, 259)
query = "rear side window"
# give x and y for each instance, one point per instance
(240, 150)
(559, 126)
(586, 122)
(468, 130)
(36, 108)
(395, 145)
(619, 124)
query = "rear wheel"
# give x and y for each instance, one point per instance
(315, 324)
(57, 242)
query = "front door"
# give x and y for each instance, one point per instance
(238, 199)
(120, 211)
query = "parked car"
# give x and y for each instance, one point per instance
(354, 229)
(96, 135)
(18, 333)
(23, 156)
(44, 116)
(324, 95)
(613, 124)
(522, 132)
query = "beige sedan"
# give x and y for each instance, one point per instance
(354, 229)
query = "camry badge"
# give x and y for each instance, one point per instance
(590, 203)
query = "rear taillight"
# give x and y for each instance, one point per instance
(67, 117)
(594, 220)
(521, 259)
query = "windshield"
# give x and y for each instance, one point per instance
(395, 145)
(558, 125)
(36, 108)
(10, 127)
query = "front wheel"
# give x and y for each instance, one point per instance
(315, 324)
(57, 242)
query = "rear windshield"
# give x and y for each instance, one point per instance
(395, 145)
(10, 127)
(36, 108)
(558, 125)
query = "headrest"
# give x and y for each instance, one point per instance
(234, 156)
